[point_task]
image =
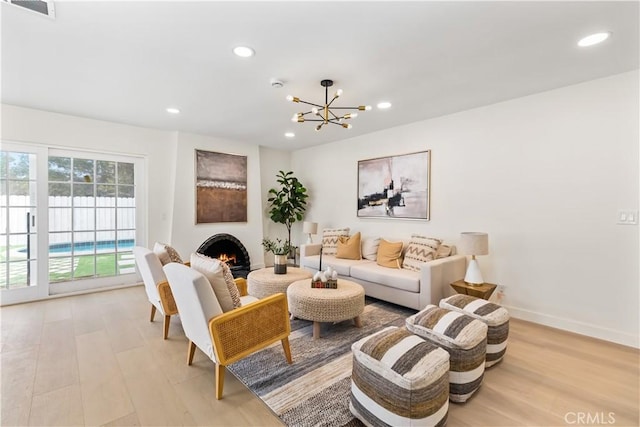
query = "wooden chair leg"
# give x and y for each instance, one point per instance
(191, 350)
(167, 320)
(287, 350)
(219, 380)
(153, 313)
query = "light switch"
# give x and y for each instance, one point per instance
(627, 217)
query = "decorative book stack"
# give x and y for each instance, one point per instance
(327, 279)
(329, 284)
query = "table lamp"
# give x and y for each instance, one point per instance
(309, 228)
(473, 243)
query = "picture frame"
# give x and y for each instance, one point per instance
(221, 187)
(396, 186)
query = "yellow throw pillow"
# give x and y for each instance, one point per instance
(389, 254)
(349, 247)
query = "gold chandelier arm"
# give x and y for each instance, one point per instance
(310, 103)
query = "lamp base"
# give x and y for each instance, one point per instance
(473, 276)
(309, 240)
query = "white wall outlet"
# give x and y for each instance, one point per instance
(627, 217)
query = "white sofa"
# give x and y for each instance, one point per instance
(404, 287)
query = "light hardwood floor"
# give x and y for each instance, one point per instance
(96, 360)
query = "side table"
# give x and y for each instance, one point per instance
(483, 290)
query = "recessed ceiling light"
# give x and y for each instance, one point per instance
(289, 134)
(243, 51)
(593, 39)
(384, 105)
(173, 110)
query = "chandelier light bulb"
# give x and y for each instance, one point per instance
(290, 98)
(338, 93)
(368, 108)
(314, 110)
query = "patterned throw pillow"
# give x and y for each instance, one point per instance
(166, 253)
(349, 247)
(330, 237)
(389, 254)
(212, 269)
(231, 285)
(370, 247)
(421, 249)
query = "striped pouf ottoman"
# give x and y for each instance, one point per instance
(495, 316)
(464, 337)
(399, 379)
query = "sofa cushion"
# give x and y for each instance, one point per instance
(403, 279)
(420, 250)
(330, 237)
(349, 247)
(389, 254)
(341, 265)
(212, 269)
(370, 247)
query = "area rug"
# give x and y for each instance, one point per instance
(314, 390)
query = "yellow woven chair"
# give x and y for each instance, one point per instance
(226, 337)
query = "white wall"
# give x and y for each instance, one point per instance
(544, 175)
(271, 162)
(186, 235)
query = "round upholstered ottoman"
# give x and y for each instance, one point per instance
(264, 282)
(495, 316)
(326, 305)
(464, 337)
(399, 379)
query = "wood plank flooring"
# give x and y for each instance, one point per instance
(96, 360)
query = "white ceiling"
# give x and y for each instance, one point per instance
(127, 61)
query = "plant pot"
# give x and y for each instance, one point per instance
(280, 264)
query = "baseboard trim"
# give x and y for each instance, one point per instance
(575, 326)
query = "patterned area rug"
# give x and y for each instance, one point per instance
(314, 390)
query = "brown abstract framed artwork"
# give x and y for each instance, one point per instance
(395, 186)
(221, 187)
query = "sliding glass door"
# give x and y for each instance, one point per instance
(85, 206)
(20, 267)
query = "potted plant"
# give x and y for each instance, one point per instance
(280, 252)
(288, 203)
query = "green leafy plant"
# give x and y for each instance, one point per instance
(277, 247)
(287, 204)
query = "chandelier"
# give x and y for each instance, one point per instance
(324, 113)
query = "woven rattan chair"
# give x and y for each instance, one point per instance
(156, 285)
(226, 337)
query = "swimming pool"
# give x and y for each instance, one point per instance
(88, 247)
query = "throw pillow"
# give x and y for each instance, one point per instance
(212, 269)
(443, 251)
(330, 238)
(389, 254)
(231, 285)
(370, 247)
(421, 249)
(166, 253)
(349, 247)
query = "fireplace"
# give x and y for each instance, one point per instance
(229, 249)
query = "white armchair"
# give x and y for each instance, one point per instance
(226, 337)
(156, 285)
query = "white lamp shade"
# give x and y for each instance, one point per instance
(474, 243)
(309, 227)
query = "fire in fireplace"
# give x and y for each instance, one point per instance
(229, 249)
